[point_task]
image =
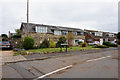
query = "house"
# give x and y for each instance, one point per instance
(40, 32)
(108, 36)
(99, 36)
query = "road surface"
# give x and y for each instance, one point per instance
(101, 64)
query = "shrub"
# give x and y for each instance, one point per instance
(83, 44)
(100, 46)
(28, 43)
(61, 40)
(79, 42)
(110, 44)
(44, 44)
(106, 43)
(52, 44)
(113, 45)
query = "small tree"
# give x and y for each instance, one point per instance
(70, 37)
(61, 40)
(18, 34)
(28, 43)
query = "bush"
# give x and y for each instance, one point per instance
(28, 43)
(106, 43)
(83, 44)
(100, 46)
(44, 44)
(113, 45)
(52, 44)
(61, 40)
(79, 42)
(110, 44)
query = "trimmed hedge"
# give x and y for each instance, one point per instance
(100, 46)
(110, 44)
(28, 43)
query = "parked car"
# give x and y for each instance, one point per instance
(113, 42)
(93, 43)
(5, 45)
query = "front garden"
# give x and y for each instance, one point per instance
(47, 47)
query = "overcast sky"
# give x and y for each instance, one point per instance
(85, 14)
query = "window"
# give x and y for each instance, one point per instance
(75, 33)
(76, 41)
(80, 33)
(57, 32)
(111, 35)
(98, 34)
(64, 32)
(41, 29)
(89, 39)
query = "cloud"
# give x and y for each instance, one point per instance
(73, 13)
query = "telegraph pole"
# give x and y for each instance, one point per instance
(27, 17)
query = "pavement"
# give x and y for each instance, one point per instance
(101, 63)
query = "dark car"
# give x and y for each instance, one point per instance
(5, 45)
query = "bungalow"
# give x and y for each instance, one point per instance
(40, 32)
(99, 36)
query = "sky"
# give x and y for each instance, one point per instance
(84, 14)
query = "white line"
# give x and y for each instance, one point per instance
(53, 72)
(97, 59)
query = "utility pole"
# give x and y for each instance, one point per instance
(27, 17)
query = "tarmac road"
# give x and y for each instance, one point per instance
(102, 64)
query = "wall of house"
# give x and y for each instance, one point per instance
(39, 37)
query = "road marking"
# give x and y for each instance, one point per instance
(97, 59)
(53, 72)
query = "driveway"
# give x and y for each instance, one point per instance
(7, 56)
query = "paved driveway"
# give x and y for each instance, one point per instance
(7, 56)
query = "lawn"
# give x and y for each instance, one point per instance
(58, 49)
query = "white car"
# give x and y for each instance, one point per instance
(93, 43)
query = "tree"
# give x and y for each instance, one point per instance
(61, 40)
(18, 31)
(4, 36)
(118, 36)
(18, 34)
(70, 37)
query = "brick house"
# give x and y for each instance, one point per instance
(99, 36)
(40, 32)
(109, 36)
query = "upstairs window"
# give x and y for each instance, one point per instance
(64, 32)
(57, 32)
(75, 33)
(41, 29)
